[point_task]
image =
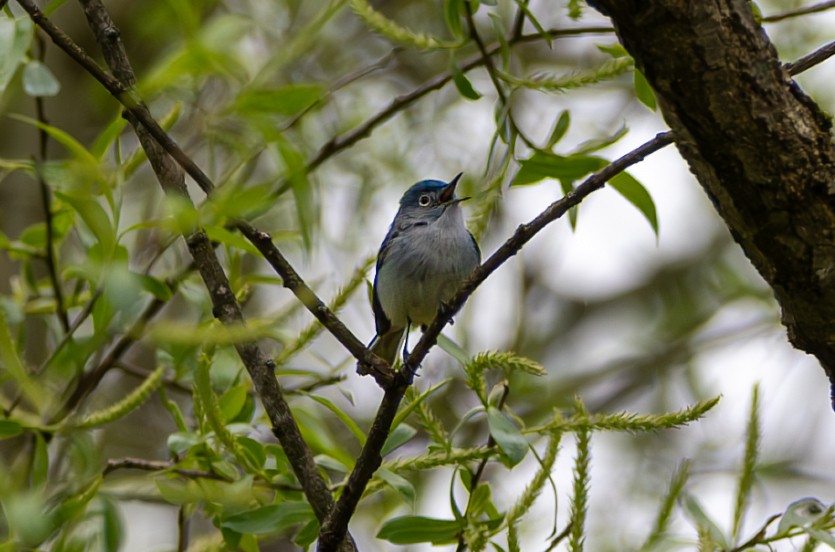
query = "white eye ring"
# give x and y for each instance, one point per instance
(424, 200)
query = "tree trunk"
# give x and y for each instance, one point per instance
(760, 147)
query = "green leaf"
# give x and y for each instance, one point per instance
(635, 193)
(253, 450)
(399, 436)
(800, 513)
(230, 239)
(155, 287)
(559, 130)
(15, 39)
(96, 219)
(507, 435)
(343, 417)
(40, 462)
(273, 518)
(38, 80)
(398, 483)
(643, 91)
(10, 428)
(703, 522)
(462, 83)
(415, 529)
(285, 101)
(452, 16)
(550, 165)
(114, 531)
(232, 402)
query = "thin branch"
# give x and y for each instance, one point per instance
(46, 201)
(143, 464)
(369, 460)
(799, 11)
(810, 60)
(292, 281)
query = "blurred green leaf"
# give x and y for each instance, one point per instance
(550, 165)
(232, 401)
(694, 511)
(399, 484)
(273, 518)
(507, 435)
(452, 16)
(285, 101)
(15, 39)
(38, 80)
(236, 241)
(559, 130)
(462, 83)
(114, 531)
(416, 529)
(10, 428)
(635, 193)
(96, 219)
(398, 437)
(349, 423)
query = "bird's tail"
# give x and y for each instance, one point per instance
(387, 346)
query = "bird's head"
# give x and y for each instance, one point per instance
(431, 197)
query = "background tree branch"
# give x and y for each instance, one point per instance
(761, 149)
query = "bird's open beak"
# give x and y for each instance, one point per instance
(448, 193)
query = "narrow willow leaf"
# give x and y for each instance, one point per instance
(13, 366)
(10, 428)
(559, 130)
(643, 91)
(416, 529)
(452, 16)
(399, 484)
(96, 219)
(349, 423)
(15, 39)
(273, 518)
(694, 511)
(285, 101)
(635, 193)
(462, 83)
(38, 80)
(542, 165)
(507, 435)
(665, 511)
(398, 437)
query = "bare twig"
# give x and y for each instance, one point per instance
(810, 60)
(799, 11)
(46, 201)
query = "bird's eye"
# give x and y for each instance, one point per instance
(424, 200)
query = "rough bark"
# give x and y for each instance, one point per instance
(761, 148)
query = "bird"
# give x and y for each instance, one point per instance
(425, 257)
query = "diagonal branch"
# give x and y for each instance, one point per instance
(336, 525)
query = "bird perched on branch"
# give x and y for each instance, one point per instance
(425, 257)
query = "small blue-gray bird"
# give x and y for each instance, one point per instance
(425, 257)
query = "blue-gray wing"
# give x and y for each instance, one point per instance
(382, 323)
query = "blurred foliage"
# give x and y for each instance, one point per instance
(117, 385)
